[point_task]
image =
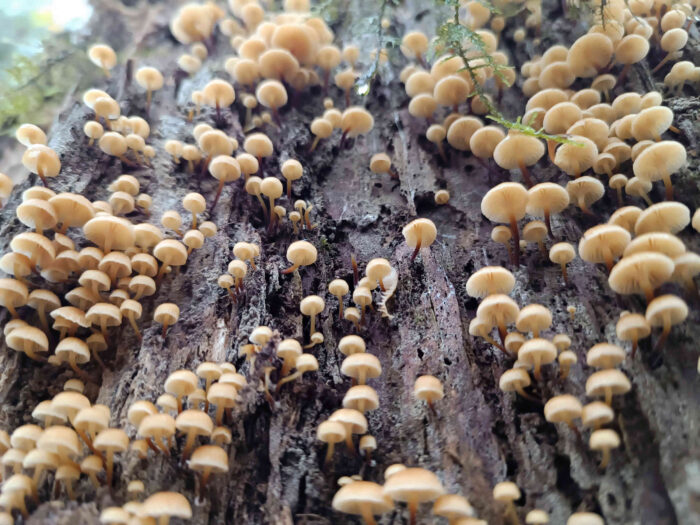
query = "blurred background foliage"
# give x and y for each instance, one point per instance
(42, 57)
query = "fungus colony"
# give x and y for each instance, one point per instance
(83, 269)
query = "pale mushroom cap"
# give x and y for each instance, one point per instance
(660, 159)
(665, 243)
(422, 230)
(453, 506)
(605, 355)
(292, 169)
(356, 121)
(258, 145)
(534, 317)
(537, 517)
(562, 409)
(668, 308)
(413, 484)
(302, 253)
(597, 413)
(630, 274)
(149, 78)
(171, 504)
(38, 156)
(361, 394)
(562, 253)
(576, 158)
(611, 378)
(490, 280)
(586, 189)
(515, 149)
(331, 432)
(166, 313)
(428, 388)
(506, 200)
(484, 141)
(355, 497)
(29, 134)
(75, 347)
(668, 216)
(537, 350)
(631, 49)
(338, 287)
(351, 344)
(506, 491)
(354, 364)
(604, 439)
(312, 305)
(632, 326)
(498, 308)
(602, 240)
(209, 457)
(626, 217)
(546, 196)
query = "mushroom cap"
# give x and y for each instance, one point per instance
(29, 134)
(534, 231)
(72, 209)
(595, 129)
(166, 313)
(452, 90)
(546, 98)
(258, 145)
(506, 492)
(665, 243)
(428, 388)
(37, 247)
(666, 309)
(453, 507)
(422, 105)
(413, 485)
(534, 317)
(498, 309)
(611, 378)
(360, 497)
(537, 517)
(631, 327)
(604, 439)
(687, 266)
(576, 157)
(517, 149)
(668, 216)
(338, 287)
(513, 342)
(659, 160)
(490, 280)
(484, 141)
(171, 504)
(604, 240)
(585, 189)
(37, 213)
(112, 439)
(418, 82)
(605, 355)
(306, 362)
(210, 458)
(321, 127)
(505, 201)
(626, 217)
(13, 293)
(360, 363)
(377, 269)
(562, 253)
(302, 253)
(356, 121)
(171, 252)
(560, 117)
(596, 413)
(70, 315)
(351, 344)
(631, 49)
(562, 409)
(420, 230)
(331, 432)
(60, 440)
(72, 346)
(361, 394)
(27, 336)
(157, 424)
(546, 196)
(353, 420)
(537, 350)
(312, 305)
(38, 157)
(104, 313)
(631, 274)
(16, 264)
(651, 122)
(119, 231)
(589, 54)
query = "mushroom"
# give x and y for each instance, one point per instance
(537, 517)
(429, 389)
(632, 327)
(419, 233)
(490, 280)
(507, 203)
(166, 314)
(300, 253)
(355, 121)
(331, 432)
(563, 409)
(666, 311)
(103, 315)
(536, 231)
(562, 253)
(604, 440)
(498, 310)
(339, 288)
(165, 505)
(603, 243)
(218, 93)
(658, 162)
(361, 366)
(641, 273)
(507, 492)
(321, 128)
(518, 151)
(150, 79)
(258, 145)
(74, 351)
(534, 318)
(566, 360)
(670, 217)
(13, 294)
(109, 442)
(208, 460)
(312, 305)
(381, 163)
(41, 160)
(362, 498)
(584, 191)
(537, 352)
(545, 199)
(413, 486)
(606, 383)
(272, 188)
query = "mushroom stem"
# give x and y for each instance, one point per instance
(264, 206)
(668, 186)
(564, 273)
(40, 172)
(189, 444)
(290, 269)
(340, 308)
(219, 414)
(551, 148)
(608, 396)
(342, 139)
(525, 173)
(313, 326)
(416, 250)
(94, 480)
(289, 188)
(109, 467)
(103, 327)
(441, 150)
(537, 372)
(11, 308)
(660, 64)
(74, 366)
(329, 453)
(515, 233)
(605, 459)
(584, 208)
(620, 198)
(165, 332)
(366, 513)
(412, 511)
(521, 392)
(86, 439)
(307, 219)
(355, 269)
(362, 315)
(216, 198)
(664, 334)
(635, 345)
(623, 74)
(314, 144)
(548, 223)
(607, 255)
(134, 326)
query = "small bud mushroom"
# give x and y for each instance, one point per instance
(166, 314)
(377, 270)
(413, 486)
(103, 56)
(291, 170)
(507, 492)
(331, 432)
(562, 253)
(321, 128)
(498, 310)
(29, 134)
(502, 235)
(42, 161)
(355, 121)
(537, 352)
(639, 188)
(93, 131)
(363, 498)
(666, 311)
(362, 296)
(596, 414)
(584, 191)
(131, 310)
(300, 253)
(672, 41)
(162, 506)
(419, 233)
(339, 288)
(536, 231)
(272, 188)
(563, 409)
(566, 360)
(304, 363)
(381, 163)
(604, 440)
(507, 203)
(312, 305)
(545, 199)
(194, 203)
(345, 80)
(429, 389)
(658, 162)
(75, 352)
(150, 79)
(259, 145)
(109, 442)
(193, 239)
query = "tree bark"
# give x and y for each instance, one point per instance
(478, 435)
